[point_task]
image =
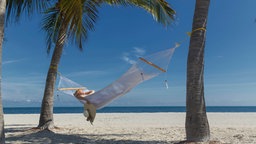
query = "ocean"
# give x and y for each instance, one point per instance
(139, 109)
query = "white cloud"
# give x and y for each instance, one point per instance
(128, 60)
(23, 88)
(139, 51)
(86, 73)
(28, 100)
(12, 61)
(131, 57)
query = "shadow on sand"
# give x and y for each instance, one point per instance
(28, 135)
(25, 134)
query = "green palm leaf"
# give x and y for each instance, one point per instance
(15, 8)
(78, 16)
(159, 9)
(51, 24)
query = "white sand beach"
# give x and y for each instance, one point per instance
(128, 128)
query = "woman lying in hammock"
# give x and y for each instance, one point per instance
(80, 94)
(89, 109)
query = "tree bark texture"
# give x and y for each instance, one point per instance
(46, 115)
(197, 127)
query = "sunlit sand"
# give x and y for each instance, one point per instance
(235, 128)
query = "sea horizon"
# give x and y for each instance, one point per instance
(128, 109)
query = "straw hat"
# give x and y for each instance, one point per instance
(89, 112)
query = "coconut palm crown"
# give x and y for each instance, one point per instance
(79, 17)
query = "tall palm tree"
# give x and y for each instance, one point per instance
(2, 19)
(197, 127)
(72, 20)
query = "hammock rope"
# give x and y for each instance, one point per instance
(144, 69)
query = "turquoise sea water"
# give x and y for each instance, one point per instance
(140, 109)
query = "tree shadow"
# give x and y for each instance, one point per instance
(209, 142)
(17, 128)
(25, 135)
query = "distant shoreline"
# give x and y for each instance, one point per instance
(130, 109)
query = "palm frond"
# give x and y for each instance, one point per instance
(77, 16)
(81, 16)
(51, 22)
(159, 9)
(115, 2)
(15, 8)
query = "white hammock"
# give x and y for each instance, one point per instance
(144, 69)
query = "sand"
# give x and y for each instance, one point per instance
(128, 128)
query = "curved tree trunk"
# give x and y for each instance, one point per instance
(46, 115)
(2, 15)
(197, 127)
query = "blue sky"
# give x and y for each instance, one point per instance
(230, 69)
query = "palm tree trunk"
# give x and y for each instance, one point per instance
(46, 115)
(2, 18)
(197, 127)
